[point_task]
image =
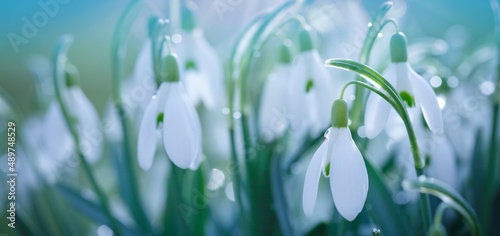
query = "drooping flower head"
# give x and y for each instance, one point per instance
(174, 114)
(201, 71)
(339, 159)
(309, 92)
(412, 88)
(57, 137)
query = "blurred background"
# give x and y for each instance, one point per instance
(93, 22)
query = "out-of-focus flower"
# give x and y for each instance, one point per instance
(56, 136)
(309, 94)
(338, 158)
(272, 114)
(201, 70)
(171, 110)
(414, 90)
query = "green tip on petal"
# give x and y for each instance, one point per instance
(399, 48)
(309, 85)
(437, 230)
(188, 21)
(72, 76)
(170, 69)
(159, 119)
(305, 39)
(407, 98)
(340, 116)
(285, 54)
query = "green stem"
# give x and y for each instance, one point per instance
(364, 57)
(60, 61)
(492, 152)
(118, 55)
(438, 216)
(373, 89)
(398, 105)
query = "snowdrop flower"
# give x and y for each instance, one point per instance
(201, 70)
(414, 90)
(272, 118)
(309, 93)
(57, 138)
(180, 125)
(339, 159)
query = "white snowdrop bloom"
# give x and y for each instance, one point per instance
(339, 159)
(309, 93)
(180, 125)
(272, 113)
(201, 71)
(57, 138)
(442, 162)
(414, 90)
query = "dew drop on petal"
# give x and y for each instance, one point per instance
(369, 24)
(352, 97)
(380, 35)
(327, 132)
(216, 179)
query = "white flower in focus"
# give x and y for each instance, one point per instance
(202, 72)
(338, 158)
(57, 138)
(180, 125)
(272, 113)
(309, 95)
(414, 90)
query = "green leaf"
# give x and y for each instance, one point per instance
(384, 211)
(90, 209)
(279, 199)
(447, 195)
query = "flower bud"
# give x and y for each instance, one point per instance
(305, 40)
(340, 116)
(169, 72)
(399, 48)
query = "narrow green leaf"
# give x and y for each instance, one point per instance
(384, 211)
(447, 195)
(279, 199)
(90, 209)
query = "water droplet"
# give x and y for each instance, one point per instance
(361, 132)
(452, 82)
(225, 110)
(380, 35)
(369, 24)
(176, 38)
(436, 81)
(216, 179)
(487, 88)
(327, 133)
(236, 115)
(230, 191)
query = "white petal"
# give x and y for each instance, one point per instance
(90, 133)
(323, 87)
(348, 176)
(272, 114)
(144, 76)
(181, 128)
(146, 141)
(296, 95)
(312, 179)
(377, 109)
(56, 136)
(443, 163)
(426, 98)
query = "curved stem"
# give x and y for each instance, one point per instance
(365, 71)
(439, 213)
(118, 55)
(60, 61)
(373, 89)
(389, 21)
